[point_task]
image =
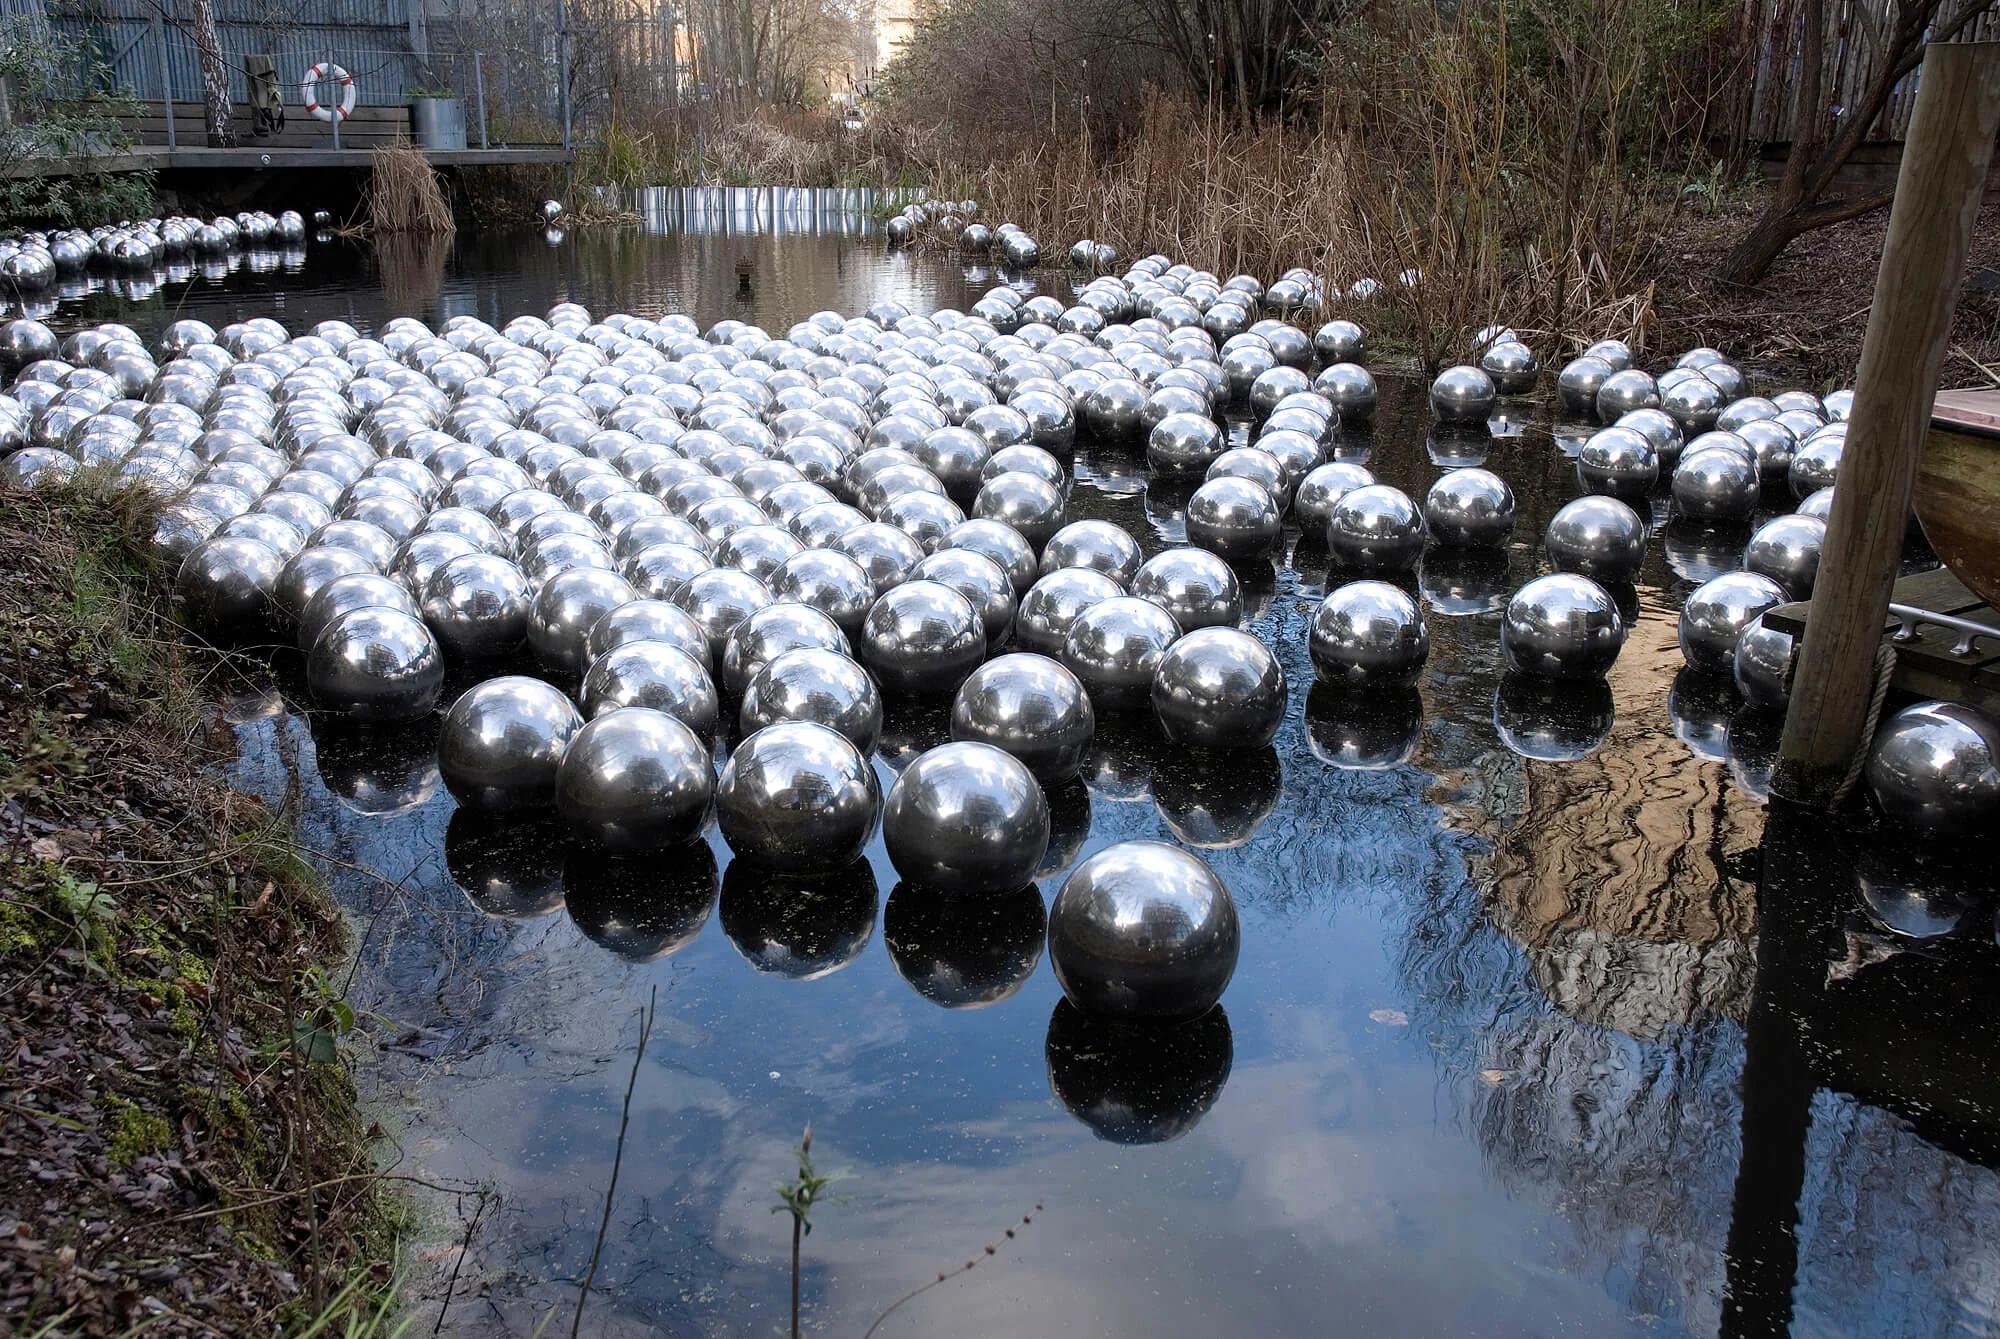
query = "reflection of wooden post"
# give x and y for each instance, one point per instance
(1938, 192)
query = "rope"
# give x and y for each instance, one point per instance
(1885, 669)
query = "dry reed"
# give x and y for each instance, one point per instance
(406, 196)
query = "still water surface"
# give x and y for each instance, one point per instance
(1481, 1072)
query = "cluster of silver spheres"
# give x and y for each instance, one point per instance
(135, 259)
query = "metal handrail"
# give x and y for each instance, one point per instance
(1911, 618)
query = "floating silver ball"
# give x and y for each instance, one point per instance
(1716, 614)
(823, 687)
(225, 588)
(659, 676)
(1046, 612)
(1219, 688)
(1763, 665)
(1463, 395)
(1838, 405)
(1470, 509)
(551, 210)
(1715, 484)
(1339, 342)
(1935, 768)
(477, 606)
(1772, 446)
(1562, 627)
(798, 798)
(1579, 381)
(1618, 462)
(356, 590)
(1115, 646)
(1597, 537)
(1196, 586)
(37, 467)
(1024, 501)
(1694, 402)
(1184, 444)
(635, 778)
(1376, 529)
(1622, 392)
(1001, 543)
(980, 580)
(1818, 503)
(1143, 930)
(502, 742)
(1787, 549)
(1236, 519)
(648, 620)
(1099, 545)
(1513, 367)
(718, 600)
(1313, 502)
(1369, 633)
(923, 638)
(966, 818)
(564, 610)
(1030, 706)
(1616, 352)
(830, 582)
(770, 632)
(1816, 465)
(377, 665)
(1351, 389)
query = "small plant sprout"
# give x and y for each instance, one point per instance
(797, 1198)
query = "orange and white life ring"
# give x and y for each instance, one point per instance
(309, 91)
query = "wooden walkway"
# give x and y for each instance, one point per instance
(250, 158)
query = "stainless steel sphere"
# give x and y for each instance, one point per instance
(1339, 342)
(1470, 509)
(356, 590)
(718, 600)
(1513, 367)
(1115, 646)
(635, 778)
(1763, 665)
(37, 467)
(1716, 614)
(1562, 627)
(1234, 518)
(1313, 502)
(1369, 633)
(1579, 381)
(1185, 444)
(1003, 544)
(377, 665)
(502, 742)
(1351, 389)
(1618, 462)
(1616, 352)
(830, 582)
(1376, 529)
(1715, 484)
(798, 798)
(1196, 586)
(1143, 930)
(565, 609)
(1025, 501)
(966, 818)
(659, 676)
(1935, 769)
(823, 687)
(1786, 549)
(477, 606)
(1030, 706)
(1816, 465)
(1622, 392)
(1099, 545)
(1219, 688)
(1693, 401)
(1046, 612)
(980, 580)
(648, 620)
(922, 638)
(769, 633)
(551, 210)
(226, 588)
(1818, 503)
(1463, 395)
(1597, 537)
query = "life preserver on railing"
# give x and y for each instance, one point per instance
(309, 91)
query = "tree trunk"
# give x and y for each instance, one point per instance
(214, 76)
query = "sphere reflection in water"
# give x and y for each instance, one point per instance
(964, 952)
(1069, 825)
(640, 907)
(1032, 707)
(1909, 897)
(1562, 627)
(1219, 688)
(1552, 721)
(1217, 800)
(1935, 769)
(1700, 706)
(502, 742)
(798, 798)
(509, 867)
(1137, 1083)
(1143, 930)
(376, 772)
(635, 778)
(1363, 732)
(1464, 582)
(800, 927)
(966, 818)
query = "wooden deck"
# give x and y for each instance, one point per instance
(250, 158)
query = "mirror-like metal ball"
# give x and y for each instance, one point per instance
(1579, 381)
(659, 676)
(966, 818)
(1094, 544)
(477, 606)
(922, 637)
(1816, 465)
(1763, 665)
(799, 798)
(1196, 586)
(820, 686)
(356, 590)
(1562, 627)
(1219, 688)
(377, 665)
(1369, 633)
(635, 778)
(1935, 768)
(1234, 518)
(1184, 444)
(1716, 614)
(1597, 537)
(718, 600)
(1376, 529)
(1115, 646)
(37, 467)
(225, 588)
(980, 580)
(1618, 462)
(1470, 509)
(1463, 395)
(1025, 501)
(1313, 502)
(1513, 367)
(1786, 549)
(1143, 930)
(769, 633)
(830, 582)
(648, 620)
(1339, 342)
(1622, 392)
(1002, 544)
(306, 571)
(1053, 603)
(1030, 706)
(565, 609)
(1715, 484)
(1818, 503)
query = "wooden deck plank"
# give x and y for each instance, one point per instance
(149, 157)
(1925, 665)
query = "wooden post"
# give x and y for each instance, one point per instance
(1938, 193)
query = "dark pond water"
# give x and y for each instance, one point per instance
(1600, 1048)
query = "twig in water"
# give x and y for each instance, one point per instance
(992, 1248)
(464, 1249)
(618, 1157)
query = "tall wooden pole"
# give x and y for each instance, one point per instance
(1938, 190)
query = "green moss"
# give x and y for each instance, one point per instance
(134, 1132)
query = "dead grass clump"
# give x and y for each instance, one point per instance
(406, 196)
